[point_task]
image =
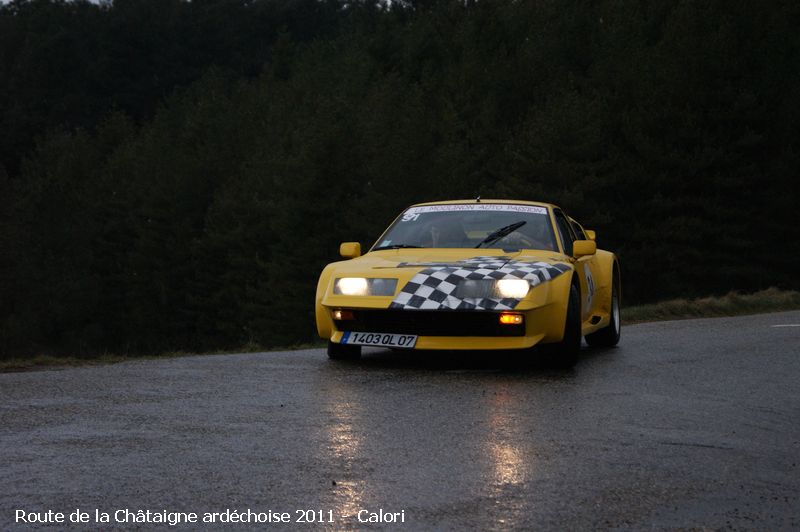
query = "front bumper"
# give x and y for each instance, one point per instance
(452, 330)
(467, 343)
(429, 323)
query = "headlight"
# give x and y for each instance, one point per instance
(513, 288)
(476, 289)
(489, 288)
(360, 286)
(351, 286)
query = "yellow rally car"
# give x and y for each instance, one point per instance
(473, 274)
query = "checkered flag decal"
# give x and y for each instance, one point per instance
(434, 287)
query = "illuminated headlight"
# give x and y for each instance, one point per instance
(351, 286)
(359, 286)
(512, 288)
(489, 288)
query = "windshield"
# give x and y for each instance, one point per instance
(470, 226)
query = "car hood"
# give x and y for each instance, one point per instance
(406, 257)
(427, 277)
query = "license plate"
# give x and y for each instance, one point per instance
(402, 341)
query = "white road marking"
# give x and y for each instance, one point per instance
(787, 325)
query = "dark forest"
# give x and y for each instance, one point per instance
(174, 175)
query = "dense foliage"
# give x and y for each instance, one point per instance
(174, 174)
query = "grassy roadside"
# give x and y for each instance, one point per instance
(49, 361)
(732, 304)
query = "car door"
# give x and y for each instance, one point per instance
(585, 267)
(593, 275)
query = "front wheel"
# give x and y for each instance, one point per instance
(608, 336)
(343, 351)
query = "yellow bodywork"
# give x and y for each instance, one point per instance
(544, 308)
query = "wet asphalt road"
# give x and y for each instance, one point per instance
(685, 424)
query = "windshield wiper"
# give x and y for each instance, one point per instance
(395, 246)
(500, 233)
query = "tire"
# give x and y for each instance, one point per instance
(609, 336)
(564, 354)
(343, 352)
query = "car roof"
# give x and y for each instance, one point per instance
(473, 200)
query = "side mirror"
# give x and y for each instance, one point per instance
(350, 250)
(591, 235)
(583, 248)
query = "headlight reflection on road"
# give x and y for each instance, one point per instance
(344, 448)
(509, 464)
(508, 460)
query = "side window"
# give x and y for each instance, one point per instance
(565, 231)
(578, 230)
